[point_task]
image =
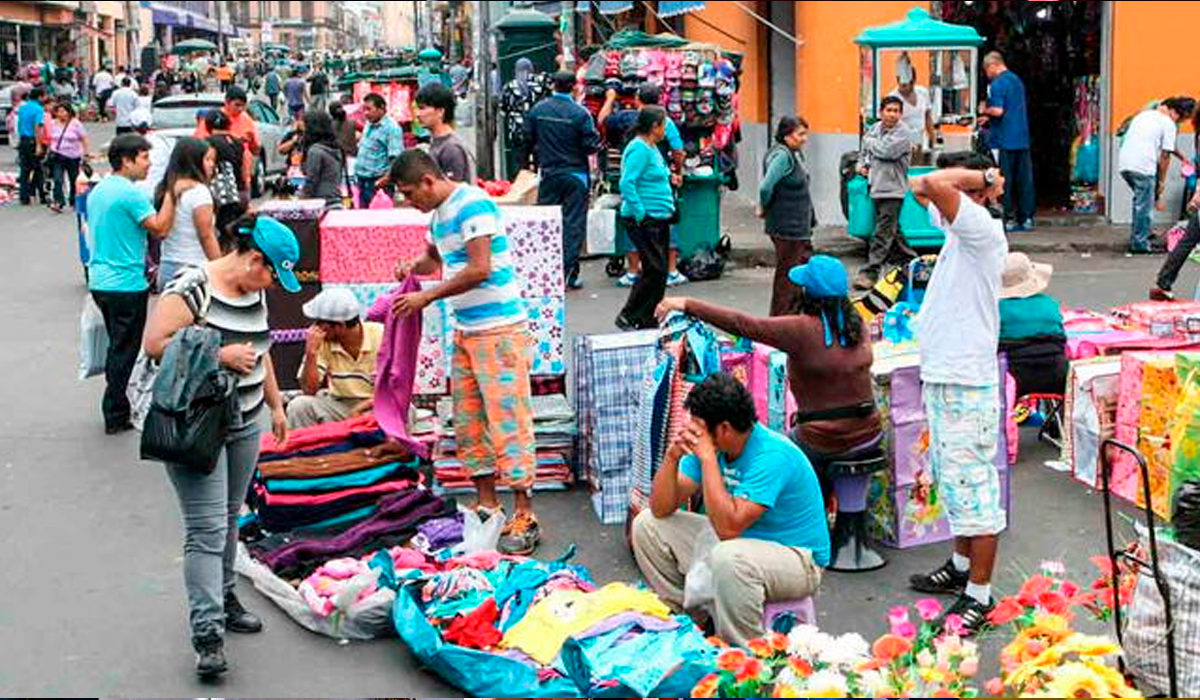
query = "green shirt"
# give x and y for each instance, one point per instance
(1030, 317)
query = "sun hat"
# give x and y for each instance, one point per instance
(336, 304)
(278, 244)
(1023, 277)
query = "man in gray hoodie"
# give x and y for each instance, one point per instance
(884, 160)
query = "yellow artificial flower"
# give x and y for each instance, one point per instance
(1117, 686)
(1088, 645)
(785, 690)
(1076, 680)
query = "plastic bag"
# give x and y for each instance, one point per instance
(141, 388)
(602, 232)
(479, 535)
(381, 200)
(698, 590)
(369, 618)
(1185, 514)
(93, 340)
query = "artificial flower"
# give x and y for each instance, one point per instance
(845, 651)
(1053, 602)
(1007, 610)
(750, 672)
(778, 642)
(1034, 587)
(707, 687)
(926, 658)
(1076, 680)
(994, 687)
(897, 615)
(891, 646)
(928, 609)
(826, 684)
(969, 667)
(732, 660)
(760, 648)
(800, 667)
(1117, 685)
(907, 630)
(785, 690)
(943, 693)
(717, 642)
(807, 641)
(954, 625)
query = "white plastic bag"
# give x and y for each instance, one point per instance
(602, 232)
(141, 388)
(698, 590)
(93, 340)
(479, 535)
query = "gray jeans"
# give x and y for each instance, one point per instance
(210, 505)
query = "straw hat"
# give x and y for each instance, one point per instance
(1023, 277)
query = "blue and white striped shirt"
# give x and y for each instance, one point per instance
(465, 215)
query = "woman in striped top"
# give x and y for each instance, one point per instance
(227, 294)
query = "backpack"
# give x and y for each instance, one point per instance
(224, 186)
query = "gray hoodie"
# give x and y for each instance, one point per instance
(887, 152)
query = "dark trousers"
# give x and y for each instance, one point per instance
(788, 254)
(1177, 258)
(888, 246)
(1020, 200)
(366, 190)
(62, 166)
(124, 130)
(652, 238)
(29, 171)
(568, 192)
(124, 319)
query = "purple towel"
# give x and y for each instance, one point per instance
(396, 368)
(443, 532)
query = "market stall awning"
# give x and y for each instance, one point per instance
(919, 29)
(607, 7)
(670, 8)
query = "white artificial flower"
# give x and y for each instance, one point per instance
(873, 684)
(827, 684)
(807, 642)
(846, 650)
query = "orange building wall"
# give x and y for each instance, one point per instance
(749, 40)
(1149, 61)
(827, 63)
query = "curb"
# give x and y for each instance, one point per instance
(853, 248)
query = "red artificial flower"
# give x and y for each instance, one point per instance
(1053, 602)
(777, 641)
(717, 642)
(732, 660)
(928, 609)
(994, 688)
(943, 693)
(1034, 587)
(751, 671)
(760, 648)
(891, 646)
(1007, 610)
(800, 667)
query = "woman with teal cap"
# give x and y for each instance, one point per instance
(227, 295)
(829, 360)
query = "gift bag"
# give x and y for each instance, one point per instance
(93, 340)
(141, 388)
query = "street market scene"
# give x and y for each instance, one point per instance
(633, 348)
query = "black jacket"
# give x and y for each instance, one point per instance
(561, 135)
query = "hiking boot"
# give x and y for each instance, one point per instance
(238, 618)
(520, 535)
(210, 655)
(946, 580)
(1160, 294)
(974, 615)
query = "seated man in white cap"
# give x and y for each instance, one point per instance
(338, 372)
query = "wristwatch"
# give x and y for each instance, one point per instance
(989, 177)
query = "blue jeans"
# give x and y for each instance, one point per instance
(1020, 200)
(1143, 207)
(366, 190)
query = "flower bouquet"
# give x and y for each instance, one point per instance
(912, 660)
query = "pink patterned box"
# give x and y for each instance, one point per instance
(535, 236)
(362, 246)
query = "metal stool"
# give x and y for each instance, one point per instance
(1053, 412)
(782, 615)
(852, 482)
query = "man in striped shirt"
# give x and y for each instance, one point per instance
(493, 418)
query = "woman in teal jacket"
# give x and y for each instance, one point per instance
(647, 207)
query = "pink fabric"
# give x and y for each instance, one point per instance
(289, 499)
(319, 436)
(381, 200)
(760, 379)
(1012, 430)
(362, 246)
(1083, 347)
(396, 367)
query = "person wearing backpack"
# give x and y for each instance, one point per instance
(231, 179)
(193, 239)
(227, 295)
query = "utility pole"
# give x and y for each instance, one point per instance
(133, 26)
(220, 31)
(567, 28)
(485, 139)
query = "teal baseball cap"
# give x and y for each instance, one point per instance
(279, 245)
(821, 277)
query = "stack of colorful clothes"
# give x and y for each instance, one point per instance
(554, 432)
(500, 626)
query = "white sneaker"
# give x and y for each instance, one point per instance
(676, 278)
(627, 280)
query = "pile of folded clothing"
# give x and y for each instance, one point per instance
(554, 433)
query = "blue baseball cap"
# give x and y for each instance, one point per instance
(278, 244)
(821, 277)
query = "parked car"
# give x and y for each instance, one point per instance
(179, 113)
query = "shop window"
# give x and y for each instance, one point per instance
(285, 9)
(307, 10)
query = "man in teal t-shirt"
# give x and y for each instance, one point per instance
(761, 498)
(120, 217)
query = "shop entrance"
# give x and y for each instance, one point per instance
(1056, 49)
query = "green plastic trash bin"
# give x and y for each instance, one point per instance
(914, 220)
(699, 214)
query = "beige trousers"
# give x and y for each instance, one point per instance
(747, 573)
(305, 411)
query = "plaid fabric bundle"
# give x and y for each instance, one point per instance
(1146, 634)
(652, 424)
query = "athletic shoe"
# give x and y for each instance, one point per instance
(946, 580)
(629, 279)
(974, 615)
(676, 278)
(520, 535)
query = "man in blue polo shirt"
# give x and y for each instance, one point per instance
(1007, 118)
(31, 125)
(761, 498)
(381, 143)
(121, 218)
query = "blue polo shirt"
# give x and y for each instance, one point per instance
(29, 116)
(774, 473)
(116, 210)
(1011, 131)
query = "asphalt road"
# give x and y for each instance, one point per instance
(93, 601)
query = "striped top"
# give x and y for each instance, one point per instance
(239, 320)
(465, 215)
(350, 377)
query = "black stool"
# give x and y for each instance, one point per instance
(852, 482)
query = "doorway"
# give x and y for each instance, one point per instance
(1056, 48)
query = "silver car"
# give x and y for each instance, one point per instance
(179, 112)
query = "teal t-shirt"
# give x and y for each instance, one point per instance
(1031, 317)
(774, 473)
(116, 209)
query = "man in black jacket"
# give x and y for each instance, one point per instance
(561, 135)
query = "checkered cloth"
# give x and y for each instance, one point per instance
(650, 445)
(1146, 636)
(611, 502)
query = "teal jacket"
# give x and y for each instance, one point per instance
(645, 183)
